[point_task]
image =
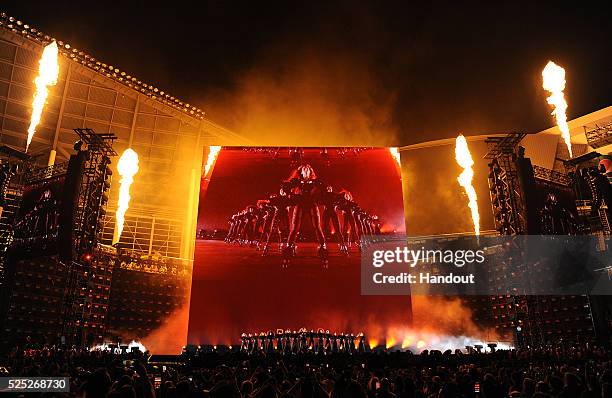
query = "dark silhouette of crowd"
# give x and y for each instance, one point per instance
(552, 372)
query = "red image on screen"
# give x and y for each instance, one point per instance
(279, 238)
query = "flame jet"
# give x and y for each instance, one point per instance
(48, 71)
(127, 167)
(396, 156)
(553, 81)
(464, 159)
(213, 152)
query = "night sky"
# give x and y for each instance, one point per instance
(404, 73)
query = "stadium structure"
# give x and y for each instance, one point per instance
(170, 137)
(167, 133)
(528, 166)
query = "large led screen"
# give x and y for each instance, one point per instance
(279, 236)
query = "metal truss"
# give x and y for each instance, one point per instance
(555, 177)
(504, 186)
(599, 136)
(41, 174)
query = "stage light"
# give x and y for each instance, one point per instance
(80, 146)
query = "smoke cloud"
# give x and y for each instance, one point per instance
(446, 316)
(317, 97)
(172, 335)
(437, 323)
(434, 202)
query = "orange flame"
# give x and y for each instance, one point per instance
(127, 168)
(553, 81)
(396, 156)
(48, 71)
(464, 159)
(213, 152)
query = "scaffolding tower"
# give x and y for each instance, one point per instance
(523, 313)
(90, 208)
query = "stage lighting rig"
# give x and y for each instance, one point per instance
(7, 171)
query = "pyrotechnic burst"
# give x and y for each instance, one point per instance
(133, 343)
(48, 71)
(416, 340)
(553, 81)
(127, 168)
(138, 345)
(396, 156)
(213, 152)
(464, 159)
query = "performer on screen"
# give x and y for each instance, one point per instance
(250, 224)
(233, 226)
(331, 202)
(376, 225)
(265, 216)
(240, 224)
(279, 219)
(362, 223)
(306, 190)
(347, 207)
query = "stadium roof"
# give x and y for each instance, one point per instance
(589, 132)
(31, 38)
(581, 126)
